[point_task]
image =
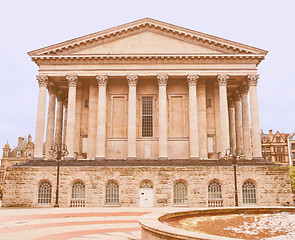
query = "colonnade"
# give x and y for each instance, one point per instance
(234, 117)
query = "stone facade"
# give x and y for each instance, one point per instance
(147, 101)
(22, 184)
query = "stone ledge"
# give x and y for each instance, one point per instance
(144, 162)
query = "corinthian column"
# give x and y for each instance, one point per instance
(192, 81)
(59, 118)
(50, 122)
(224, 123)
(232, 125)
(238, 120)
(40, 123)
(256, 140)
(132, 81)
(64, 132)
(101, 118)
(70, 135)
(162, 81)
(246, 122)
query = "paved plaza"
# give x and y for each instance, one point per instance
(72, 223)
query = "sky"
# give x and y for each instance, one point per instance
(29, 25)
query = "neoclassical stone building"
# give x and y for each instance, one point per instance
(148, 111)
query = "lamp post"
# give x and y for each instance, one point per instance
(234, 156)
(57, 152)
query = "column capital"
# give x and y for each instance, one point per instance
(102, 80)
(132, 80)
(162, 79)
(231, 103)
(60, 96)
(236, 96)
(42, 80)
(244, 89)
(222, 79)
(52, 90)
(192, 80)
(72, 80)
(252, 79)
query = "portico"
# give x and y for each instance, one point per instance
(183, 97)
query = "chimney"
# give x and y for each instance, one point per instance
(270, 135)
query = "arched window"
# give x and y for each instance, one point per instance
(214, 195)
(180, 193)
(249, 193)
(112, 193)
(44, 193)
(78, 195)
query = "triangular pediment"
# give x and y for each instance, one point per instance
(147, 36)
(147, 43)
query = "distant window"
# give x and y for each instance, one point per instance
(214, 195)
(86, 104)
(278, 139)
(18, 153)
(293, 146)
(147, 116)
(180, 193)
(112, 193)
(249, 193)
(293, 155)
(44, 193)
(209, 103)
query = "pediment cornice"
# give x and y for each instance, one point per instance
(147, 59)
(151, 25)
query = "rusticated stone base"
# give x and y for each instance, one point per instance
(21, 184)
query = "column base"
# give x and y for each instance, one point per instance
(163, 158)
(131, 158)
(68, 158)
(194, 158)
(100, 158)
(38, 158)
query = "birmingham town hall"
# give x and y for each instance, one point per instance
(147, 114)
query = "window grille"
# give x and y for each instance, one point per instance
(214, 195)
(180, 193)
(146, 184)
(78, 195)
(112, 193)
(249, 193)
(44, 193)
(147, 116)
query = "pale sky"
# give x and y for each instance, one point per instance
(29, 25)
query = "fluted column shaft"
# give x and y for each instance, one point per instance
(224, 122)
(238, 121)
(246, 123)
(193, 117)
(64, 132)
(162, 81)
(50, 122)
(256, 140)
(70, 135)
(40, 123)
(58, 120)
(232, 125)
(132, 81)
(101, 118)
